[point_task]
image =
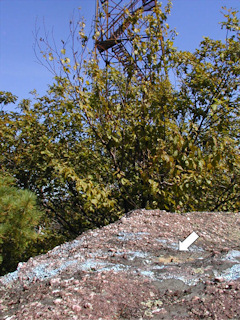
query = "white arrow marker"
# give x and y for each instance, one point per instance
(183, 246)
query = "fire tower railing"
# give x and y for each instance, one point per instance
(120, 24)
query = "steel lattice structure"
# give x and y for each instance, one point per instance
(112, 24)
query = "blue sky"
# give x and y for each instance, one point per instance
(19, 71)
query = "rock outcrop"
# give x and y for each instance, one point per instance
(133, 269)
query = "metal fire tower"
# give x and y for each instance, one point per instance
(112, 24)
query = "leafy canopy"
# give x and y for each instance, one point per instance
(103, 141)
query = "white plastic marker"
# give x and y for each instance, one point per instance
(183, 246)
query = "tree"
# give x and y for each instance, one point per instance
(19, 218)
(102, 142)
(209, 87)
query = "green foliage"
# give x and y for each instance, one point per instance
(7, 97)
(102, 142)
(19, 218)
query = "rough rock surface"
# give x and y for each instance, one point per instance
(133, 269)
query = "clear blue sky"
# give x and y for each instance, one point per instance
(19, 71)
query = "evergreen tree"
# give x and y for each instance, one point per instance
(19, 217)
